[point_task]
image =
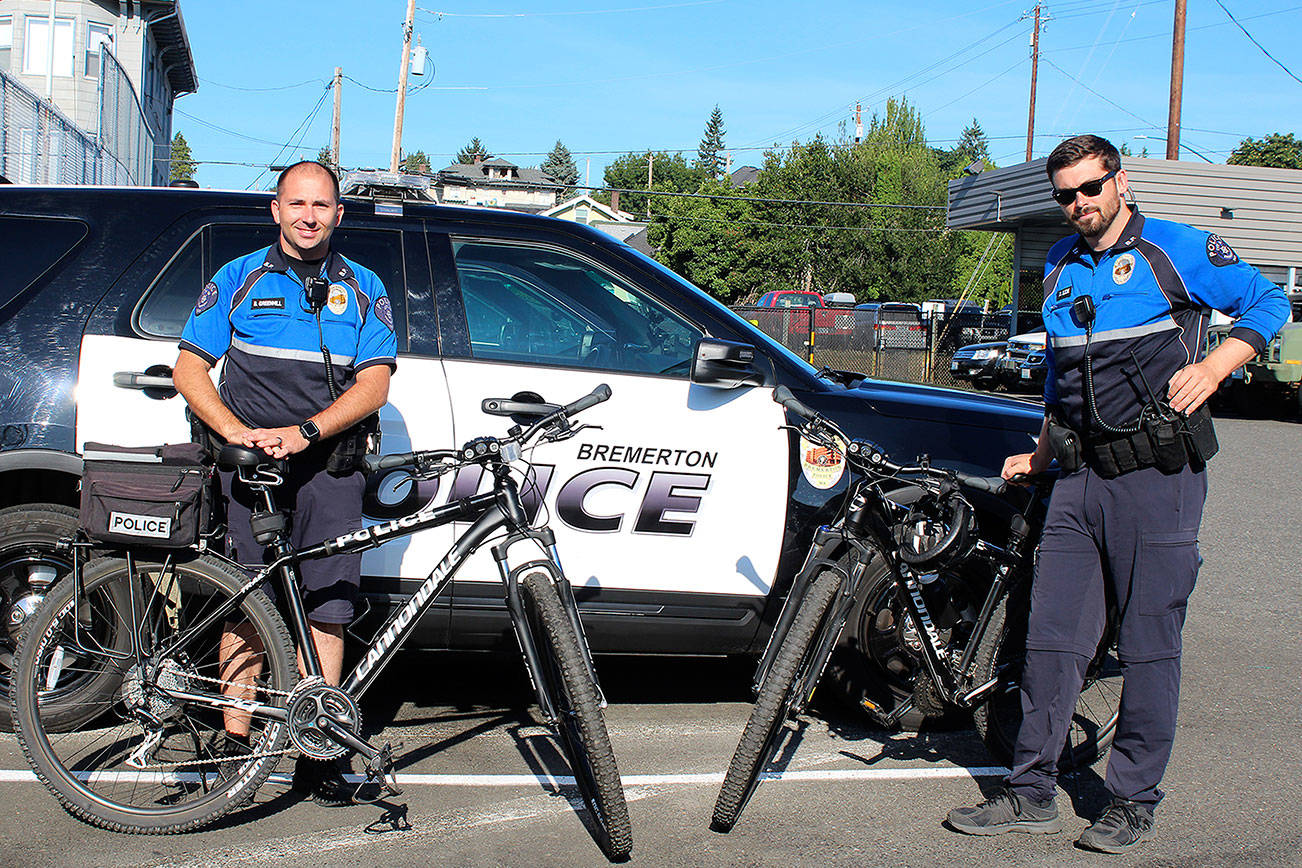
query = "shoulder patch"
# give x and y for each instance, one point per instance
(1219, 252)
(384, 311)
(207, 298)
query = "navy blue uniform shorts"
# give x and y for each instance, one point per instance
(321, 506)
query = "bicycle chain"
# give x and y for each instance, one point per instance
(241, 758)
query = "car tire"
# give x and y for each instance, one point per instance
(27, 537)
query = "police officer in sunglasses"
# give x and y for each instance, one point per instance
(1126, 307)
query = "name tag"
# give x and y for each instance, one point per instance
(266, 303)
(131, 524)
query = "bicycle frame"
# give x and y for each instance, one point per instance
(874, 539)
(489, 513)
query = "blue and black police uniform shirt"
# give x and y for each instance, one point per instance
(255, 312)
(1153, 293)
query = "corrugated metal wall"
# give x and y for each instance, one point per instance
(1266, 206)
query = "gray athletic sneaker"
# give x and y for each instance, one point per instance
(1006, 811)
(1122, 825)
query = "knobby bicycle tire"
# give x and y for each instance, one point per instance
(1002, 654)
(580, 725)
(760, 737)
(144, 761)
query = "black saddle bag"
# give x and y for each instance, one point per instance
(153, 496)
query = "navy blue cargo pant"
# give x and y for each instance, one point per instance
(1139, 534)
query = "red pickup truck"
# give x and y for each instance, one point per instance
(824, 321)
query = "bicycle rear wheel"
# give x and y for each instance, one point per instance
(580, 724)
(760, 738)
(144, 759)
(1002, 655)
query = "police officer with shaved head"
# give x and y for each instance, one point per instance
(1126, 307)
(309, 345)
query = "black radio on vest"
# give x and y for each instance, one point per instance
(318, 290)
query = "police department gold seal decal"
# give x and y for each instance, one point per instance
(337, 301)
(1123, 268)
(821, 465)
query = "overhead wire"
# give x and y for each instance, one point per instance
(300, 131)
(1258, 44)
(443, 14)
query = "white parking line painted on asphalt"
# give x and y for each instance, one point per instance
(23, 776)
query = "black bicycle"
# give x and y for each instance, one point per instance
(959, 605)
(184, 649)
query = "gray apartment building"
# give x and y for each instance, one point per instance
(89, 99)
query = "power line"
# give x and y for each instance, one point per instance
(300, 131)
(263, 89)
(931, 230)
(441, 14)
(1256, 43)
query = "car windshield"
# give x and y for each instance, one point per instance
(759, 338)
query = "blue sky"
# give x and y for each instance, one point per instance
(611, 76)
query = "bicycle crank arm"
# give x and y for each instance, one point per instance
(967, 700)
(339, 735)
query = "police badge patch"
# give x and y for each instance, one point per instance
(384, 311)
(1218, 252)
(207, 298)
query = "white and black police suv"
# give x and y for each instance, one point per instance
(681, 520)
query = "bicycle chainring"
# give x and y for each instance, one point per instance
(310, 700)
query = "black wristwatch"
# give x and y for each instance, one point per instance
(311, 433)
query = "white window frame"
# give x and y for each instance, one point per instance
(6, 39)
(97, 36)
(34, 44)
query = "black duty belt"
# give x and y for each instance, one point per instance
(1167, 441)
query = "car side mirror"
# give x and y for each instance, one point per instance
(725, 364)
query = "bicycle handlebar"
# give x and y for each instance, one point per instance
(874, 458)
(551, 414)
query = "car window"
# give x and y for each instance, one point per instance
(536, 305)
(171, 297)
(30, 246)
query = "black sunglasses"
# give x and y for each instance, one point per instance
(1089, 188)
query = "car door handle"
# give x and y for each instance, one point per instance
(138, 380)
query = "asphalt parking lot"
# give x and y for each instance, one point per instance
(480, 774)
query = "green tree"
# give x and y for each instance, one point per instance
(183, 165)
(560, 165)
(325, 158)
(715, 243)
(709, 156)
(1280, 150)
(474, 149)
(972, 142)
(416, 163)
(669, 173)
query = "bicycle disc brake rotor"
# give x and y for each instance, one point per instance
(310, 701)
(146, 687)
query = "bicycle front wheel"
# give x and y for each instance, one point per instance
(760, 738)
(152, 754)
(580, 724)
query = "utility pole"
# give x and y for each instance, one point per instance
(402, 86)
(1035, 66)
(334, 124)
(650, 163)
(1177, 83)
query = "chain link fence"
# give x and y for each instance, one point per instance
(889, 345)
(128, 142)
(39, 145)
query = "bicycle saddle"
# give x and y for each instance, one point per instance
(234, 456)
